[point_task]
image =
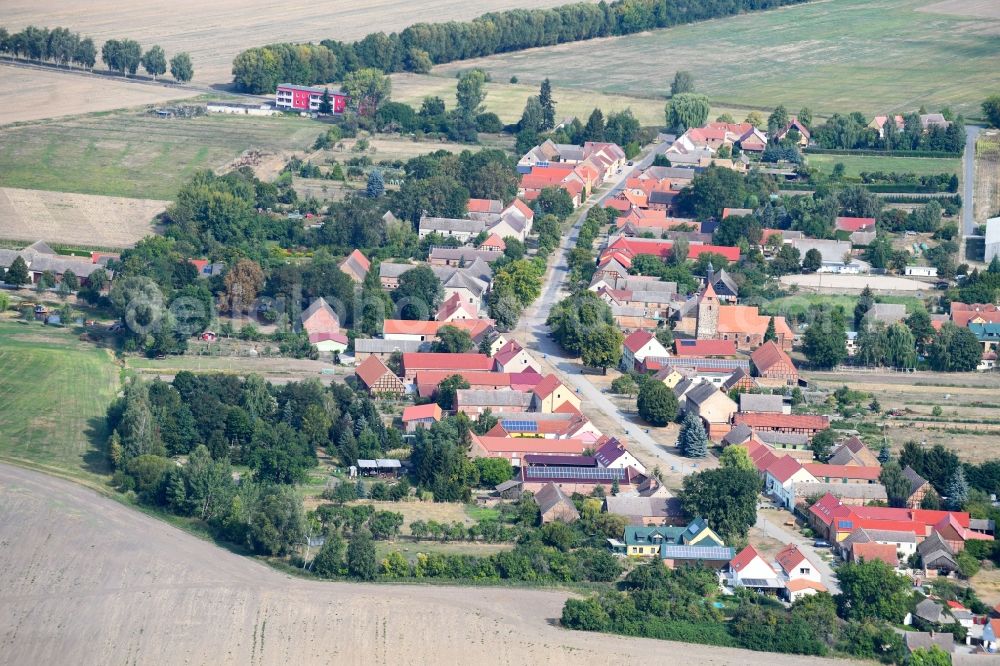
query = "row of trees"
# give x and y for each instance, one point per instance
(422, 45)
(851, 132)
(63, 47)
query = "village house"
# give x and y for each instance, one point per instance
(462, 229)
(613, 454)
(685, 348)
(903, 542)
(712, 406)
(455, 308)
(801, 576)
(427, 331)
(750, 570)
(413, 363)
(512, 357)
(808, 424)
(384, 349)
(420, 416)
(647, 511)
(637, 346)
(772, 366)
(646, 542)
(457, 257)
(583, 480)
(551, 394)
(515, 449)
(799, 128)
(378, 379)
(553, 504)
(428, 381)
(743, 324)
(835, 255)
(764, 402)
(39, 258)
(781, 477)
(322, 325)
(356, 266)
(474, 402)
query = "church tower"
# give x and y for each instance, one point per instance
(708, 315)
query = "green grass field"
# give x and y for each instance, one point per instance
(854, 165)
(507, 99)
(54, 391)
(799, 304)
(133, 154)
(830, 55)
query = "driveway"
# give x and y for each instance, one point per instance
(969, 180)
(771, 523)
(533, 333)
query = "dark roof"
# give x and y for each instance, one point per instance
(916, 481)
(738, 434)
(550, 495)
(560, 461)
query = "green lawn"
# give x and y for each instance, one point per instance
(54, 391)
(832, 55)
(133, 154)
(799, 304)
(855, 164)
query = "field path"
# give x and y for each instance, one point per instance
(83, 575)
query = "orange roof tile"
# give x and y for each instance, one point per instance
(371, 369)
(415, 412)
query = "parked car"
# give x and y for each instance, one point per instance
(821, 543)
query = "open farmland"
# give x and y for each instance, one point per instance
(987, 194)
(54, 391)
(135, 154)
(214, 32)
(855, 164)
(865, 55)
(191, 602)
(42, 93)
(76, 219)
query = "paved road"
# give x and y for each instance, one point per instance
(771, 523)
(533, 333)
(969, 180)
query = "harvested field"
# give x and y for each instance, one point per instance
(855, 164)
(135, 154)
(828, 283)
(866, 55)
(50, 94)
(987, 194)
(976, 8)
(191, 602)
(54, 391)
(215, 32)
(76, 219)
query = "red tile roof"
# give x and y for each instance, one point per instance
(799, 584)
(416, 412)
(704, 348)
(661, 248)
(370, 370)
(769, 355)
(777, 421)
(819, 470)
(525, 445)
(744, 558)
(852, 224)
(636, 339)
(484, 205)
(962, 313)
(784, 467)
(876, 551)
(445, 361)
(789, 557)
(548, 384)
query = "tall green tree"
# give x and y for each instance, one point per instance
(548, 106)
(17, 272)
(471, 92)
(725, 497)
(657, 404)
(154, 61)
(594, 129)
(683, 83)
(954, 349)
(687, 110)
(771, 333)
(991, 109)
(602, 347)
(825, 341)
(865, 302)
(872, 591)
(419, 293)
(452, 340)
(181, 68)
(692, 440)
(897, 486)
(376, 184)
(367, 88)
(362, 562)
(777, 120)
(957, 491)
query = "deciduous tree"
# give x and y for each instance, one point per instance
(687, 110)
(154, 61)
(657, 404)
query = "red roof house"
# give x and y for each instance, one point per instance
(414, 362)
(852, 224)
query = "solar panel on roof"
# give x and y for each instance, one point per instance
(587, 473)
(519, 426)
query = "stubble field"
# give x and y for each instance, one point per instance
(844, 55)
(134, 154)
(215, 32)
(987, 194)
(76, 219)
(84, 575)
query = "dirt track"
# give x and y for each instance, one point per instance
(84, 576)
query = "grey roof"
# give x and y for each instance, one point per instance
(981, 524)
(735, 378)
(724, 278)
(888, 313)
(469, 254)
(702, 392)
(916, 481)
(715, 553)
(392, 269)
(461, 280)
(40, 258)
(661, 196)
(550, 495)
(930, 610)
(864, 535)
(658, 507)
(451, 224)
(843, 455)
(661, 172)
(507, 485)
(317, 305)
(932, 544)
(832, 251)
(865, 491)
(652, 296)
(379, 463)
(760, 402)
(916, 640)
(739, 434)
(786, 438)
(381, 346)
(502, 398)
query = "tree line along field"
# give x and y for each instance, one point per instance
(135, 154)
(54, 390)
(215, 32)
(864, 55)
